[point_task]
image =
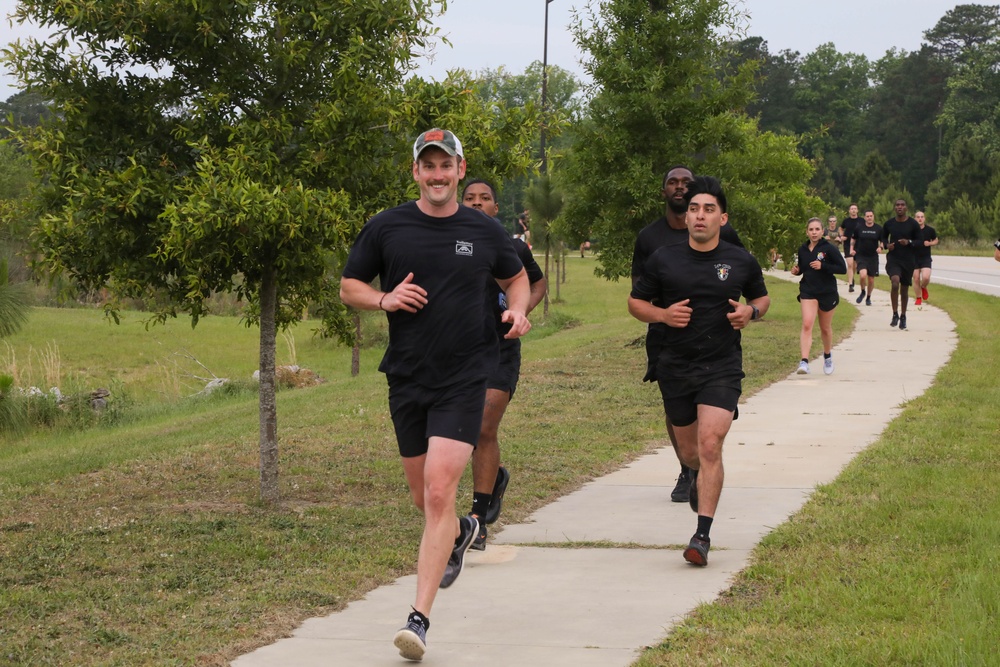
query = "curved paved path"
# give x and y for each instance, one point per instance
(551, 606)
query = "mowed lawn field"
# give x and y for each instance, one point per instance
(144, 544)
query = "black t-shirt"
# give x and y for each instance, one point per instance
(451, 339)
(893, 230)
(866, 239)
(708, 347)
(657, 234)
(822, 280)
(926, 234)
(848, 225)
(497, 299)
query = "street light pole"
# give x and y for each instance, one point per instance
(545, 81)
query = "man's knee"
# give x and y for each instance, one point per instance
(438, 496)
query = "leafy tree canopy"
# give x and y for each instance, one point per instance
(231, 145)
(658, 100)
(964, 28)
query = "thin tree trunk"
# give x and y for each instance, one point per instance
(268, 407)
(356, 350)
(558, 261)
(545, 307)
(565, 254)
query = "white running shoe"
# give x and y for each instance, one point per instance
(803, 368)
(828, 366)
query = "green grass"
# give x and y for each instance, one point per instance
(144, 543)
(963, 248)
(895, 563)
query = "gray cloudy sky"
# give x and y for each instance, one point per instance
(490, 33)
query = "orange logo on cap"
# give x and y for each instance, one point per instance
(434, 135)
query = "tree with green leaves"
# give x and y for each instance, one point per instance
(907, 96)
(215, 147)
(963, 29)
(13, 303)
(545, 201)
(831, 95)
(563, 105)
(22, 109)
(15, 177)
(658, 100)
(963, 197)
(874, 172)
(972, 106)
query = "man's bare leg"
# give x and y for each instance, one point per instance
(701, 447)
(433, 479)
(486, 459)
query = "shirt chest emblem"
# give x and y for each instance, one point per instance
(722, 270)
(463, 248)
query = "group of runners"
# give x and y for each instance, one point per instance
(907, 244)
(457, 290)
(451, 375)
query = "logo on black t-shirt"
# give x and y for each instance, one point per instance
(463, 248)
(722, 270)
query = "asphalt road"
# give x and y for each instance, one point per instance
(980, 274)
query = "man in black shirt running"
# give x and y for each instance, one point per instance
(865, 247)
(922, 258)
(694, 289)
(898, 236)
(847, 228)
(489, 478)
(671, 229)
(433, 258)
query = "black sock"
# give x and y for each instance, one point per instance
(826, 355)
(416, 615)
(805, 360)
(704, 526)
(481, 503)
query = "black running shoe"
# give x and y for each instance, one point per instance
(470, 528)
(861, 297)
(499, 487)
(868, 301)
(479, 544)
(895, 320)
(411, 640)
(902, 321)
(850, 287)
(697, 551)
(682, 491)
(693, 492)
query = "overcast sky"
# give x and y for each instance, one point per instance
(491, 33)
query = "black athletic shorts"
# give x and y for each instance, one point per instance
(420, 412)
(903, 269)
(867, 263)
(720, 392)
(508, 371)
(827, 302)
(923, 262)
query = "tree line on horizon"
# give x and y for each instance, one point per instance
(924, 124)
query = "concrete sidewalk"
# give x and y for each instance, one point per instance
(551, 606)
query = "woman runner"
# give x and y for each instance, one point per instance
(818, 261)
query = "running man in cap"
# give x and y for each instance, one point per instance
(433, 258)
